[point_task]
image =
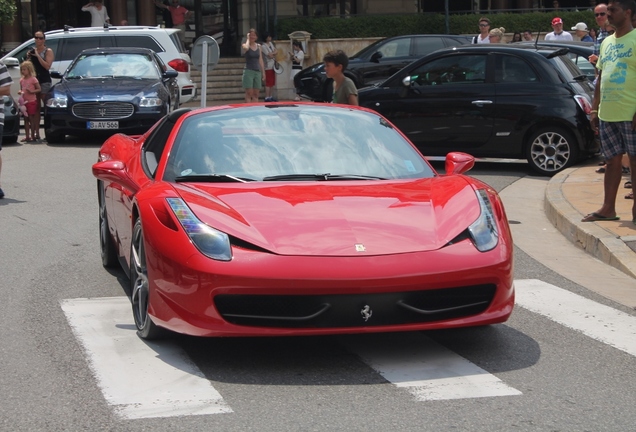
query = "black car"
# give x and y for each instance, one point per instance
(491, 100)
(11, 128)
(110, 90)
(374, 63)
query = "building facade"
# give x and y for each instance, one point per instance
(229, 20)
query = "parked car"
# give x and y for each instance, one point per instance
(579, 52)
(109, 90)
(374, 63)
(11, 128)
(69, 42)
(492, 100)
(298, 219)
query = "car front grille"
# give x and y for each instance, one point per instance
(350, 310)
(103, 111)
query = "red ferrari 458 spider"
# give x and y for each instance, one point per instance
(298, 219)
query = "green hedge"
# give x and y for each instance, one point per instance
(395, 25)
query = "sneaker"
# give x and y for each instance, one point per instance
(1, 193)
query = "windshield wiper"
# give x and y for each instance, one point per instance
(321, 177)
(212, 178)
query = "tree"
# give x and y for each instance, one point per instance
(8, 11)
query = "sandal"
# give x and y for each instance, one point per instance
(600, 170)
(25, 140)
(628, 184)
(629, 195)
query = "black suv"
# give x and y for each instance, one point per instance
(503, 101)
(374, 63)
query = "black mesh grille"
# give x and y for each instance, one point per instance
(347, 310)
(103, 111)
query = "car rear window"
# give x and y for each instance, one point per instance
(72, 46)
(139, 41)
(566, 67)
(426, 45)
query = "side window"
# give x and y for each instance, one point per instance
(583, 63)
(72, 46)
(510, 69)
(426, 45)
(396, 48)
(139, 41)
(451, 70)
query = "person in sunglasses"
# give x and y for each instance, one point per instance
(42, 58)
(604, 30)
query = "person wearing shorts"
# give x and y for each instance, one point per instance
(254, 71)
(5, 90)
(614, 106)
(269, 51)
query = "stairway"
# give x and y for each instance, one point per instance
(224, 82)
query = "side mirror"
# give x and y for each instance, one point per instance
(407, 81)
(55, 74)
(114, 171)
(458, 163)
(376, 57)
(11, 62)
(170, 74)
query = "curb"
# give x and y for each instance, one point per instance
(595, 240)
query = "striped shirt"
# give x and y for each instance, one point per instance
(5, 80)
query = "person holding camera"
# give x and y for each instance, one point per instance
(42, 58)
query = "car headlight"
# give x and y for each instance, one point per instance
(210, 242)
(57, 102)
(484, 230)
(150, 102)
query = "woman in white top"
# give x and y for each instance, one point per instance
(296, 57)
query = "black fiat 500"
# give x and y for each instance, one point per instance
(503, 101)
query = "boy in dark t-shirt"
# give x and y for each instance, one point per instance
(344, 90)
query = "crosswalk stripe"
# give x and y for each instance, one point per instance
(426, 369)
(140, 379)
(600, 322)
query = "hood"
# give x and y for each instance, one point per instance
(118, 89)
(336, 218)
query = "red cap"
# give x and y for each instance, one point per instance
(556, 21)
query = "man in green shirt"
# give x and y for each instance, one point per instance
(344, 90)
(614, 106)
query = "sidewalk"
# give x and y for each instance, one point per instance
(578, 191)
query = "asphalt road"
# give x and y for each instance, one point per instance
(537, 372)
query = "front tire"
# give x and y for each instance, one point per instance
(140, 296)
(551, 150)
(106, 243)
(54, 137)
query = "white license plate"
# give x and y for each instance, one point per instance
(102, 125)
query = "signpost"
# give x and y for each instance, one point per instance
(205, 55)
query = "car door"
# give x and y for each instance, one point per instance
(386, 60)
(446, 106)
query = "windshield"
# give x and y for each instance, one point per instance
(292, 143)
(138, 66)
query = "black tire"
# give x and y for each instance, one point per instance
(140, 292)
(54, 137)
(550, 150)
(10, 139)
(106, 243)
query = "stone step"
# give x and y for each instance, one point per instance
(224, 82)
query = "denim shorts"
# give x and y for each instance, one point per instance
(252, 79)
(617, 138)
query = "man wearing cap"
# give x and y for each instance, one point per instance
(558, 34)
(581, 32)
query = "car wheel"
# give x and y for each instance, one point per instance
(106, 243)
(551, 150)
(53, 137)
(10, 139)
(140, 296)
